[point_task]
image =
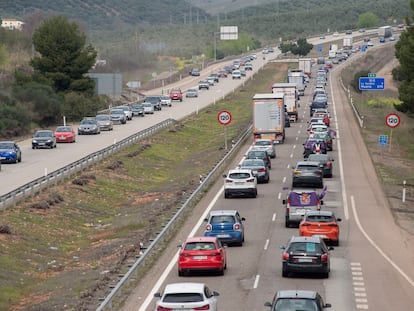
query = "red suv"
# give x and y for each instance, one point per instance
(176, 94)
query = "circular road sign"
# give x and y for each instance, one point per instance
(392, 120)
(224, 117)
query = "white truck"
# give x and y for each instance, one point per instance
(347, 43)
(269, 117)
(332, 50)
(297, 76)
(305, 64)
(385, 32)
(291, 98)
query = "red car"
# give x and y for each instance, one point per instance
(65, 134)
(222, 73)
(176, 94)
(202, 254)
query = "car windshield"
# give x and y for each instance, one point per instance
(306, 247)
(199, 246)
(263, 143)
(320, 218)
(102, 118)
(222, 219)
(6, 145)
(43, 134)
(88, 122)
(152, 99)
(239, 175)
(63, 129)
(183, 297)
(117, 111)
(318, 157)
(256, 154)
(248, 163)
(289, 304)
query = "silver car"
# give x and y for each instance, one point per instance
(118, 116)
(148, 108)
(105, 122)
(127, 110)
(89, 126)
(266, 145)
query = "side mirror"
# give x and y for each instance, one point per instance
(339, 219)
(282, 247)
(158, 295)
(284, 201)
(215, 293)
(330, 248)
(321, 202)
(224, 176)
(205, 219)
(243, 219)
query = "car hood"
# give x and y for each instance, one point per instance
(42, 138)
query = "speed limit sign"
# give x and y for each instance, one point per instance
(224, 117)
(392, 120)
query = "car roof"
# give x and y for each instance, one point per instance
(300, 191)
(240, 170)
(184, 287)
(296, 294)
(223, 212)
(201, 239)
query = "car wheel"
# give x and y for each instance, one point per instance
(180, 273)
(267, 180)
(226, 195)
(285, 274)
(255, 193)
(320, 185)
(221, 271)
(325, 275)
(20, 159)
(335, 243)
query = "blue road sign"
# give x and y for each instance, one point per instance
(320, 47)
(371, 84)
(383, 140)
(364, 48)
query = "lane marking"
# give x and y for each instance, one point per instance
(274, 217)
(256, 281)
(266, 246)
(279, 196)
(392, 263)
(284, 179)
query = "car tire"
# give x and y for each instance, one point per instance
(335, 243)
(267, 180)
(180, 273)
(221, 271)
(226, 195)
(325, 275)
(254, 193)
(285, 273)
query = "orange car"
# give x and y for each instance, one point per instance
(321, 223)
(201, 254)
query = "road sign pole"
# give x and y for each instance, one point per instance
(389, 146)
(225, 137)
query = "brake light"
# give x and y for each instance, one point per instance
(324, 258)
(333, 225)
(229, 181)
(319, 172)
(328, 164)
(250, 180)
(184, 255)
(285, 256)
(206, 307)
(208, 227)
(159, 308)
(261, 170)
(236, 227)
(288, 201)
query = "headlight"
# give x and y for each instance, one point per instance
(34, 141)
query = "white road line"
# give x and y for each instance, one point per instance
(284, 179)
(256, 281)
(291, 155)
(360, 294)
(392, 263)
(274, 217)
(279, 196)
(294, 146)
(341, 168)
(364, 307)
(173, 261)
(356, 273)
(359, 289)
(288, 166)
(266, 246)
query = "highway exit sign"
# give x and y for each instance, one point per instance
(372, 75)
(371, 84)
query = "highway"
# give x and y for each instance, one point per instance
(372, 269)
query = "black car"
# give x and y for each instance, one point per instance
(297, 300)
(304, 254)
(324, 160)
(307, 173)
(44, 139)
(155, 101)
(317, 105)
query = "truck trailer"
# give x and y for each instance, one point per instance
(290, 100)
(297, 76)
(305, 64)
(269, 117)
(347, 43)
(385, 32)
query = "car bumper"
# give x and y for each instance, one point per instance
(64, 139)
(42, 145)
(8, 158)
(306, 268)
(307, 181)
(87, 132)
(226, 237)
(240, 191)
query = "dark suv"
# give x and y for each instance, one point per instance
(155, 101)
(297, 300)
(259, 154)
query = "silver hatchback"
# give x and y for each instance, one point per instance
(266, 145)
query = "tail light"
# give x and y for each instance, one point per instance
(328, 164)
(333, 225)
(288, 201)
(305, 224)
(208, 227)
(319, 172)
(229, 181)
(184, 255)
(324, 257)
(236, 227)
(285, 256)
(206, 307)
(159, 308)
(261, 170)
(250, 180)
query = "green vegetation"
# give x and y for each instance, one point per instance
(367, 20)
(405, 72)
(301, 47)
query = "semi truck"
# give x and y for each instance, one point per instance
(297, 76)
(305, 64)
(385, 32)
(332, 50)
(269, 117)
(347, 43)
(290, 100)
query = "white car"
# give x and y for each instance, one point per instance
(166, 101)
(127, 110)
(240, 182)
(236, 74)
(187, 296)
(148, 108)
(267, 145)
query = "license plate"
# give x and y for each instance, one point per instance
(199, 257)
(41, 144)
(239, 183)
(63, 138)
(223, 235)
(305, 260)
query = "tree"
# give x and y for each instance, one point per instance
(63, 56)
(367, 20)
(404, 51)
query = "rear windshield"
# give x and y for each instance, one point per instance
(306, 247)
(239, 175)
(222, 219)
(257, 154)
(183, 297)
(296, 304)
(263, 143)
(320, 218)
(200, 246)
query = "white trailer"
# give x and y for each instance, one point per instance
(305, 64)
(291, 98)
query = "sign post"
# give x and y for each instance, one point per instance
(224, 117)
(392, 120)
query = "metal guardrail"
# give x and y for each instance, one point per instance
(39, 184)
(163, 235)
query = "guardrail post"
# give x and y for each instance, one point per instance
(404, 190)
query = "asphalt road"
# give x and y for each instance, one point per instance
(372, 269)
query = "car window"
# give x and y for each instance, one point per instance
(307, 167)
(253, 163)
(199, 246)
(239, 175)
(183, 297)
(256, 154)
(6, 145)
(222, 219)
(263, 143)
(320, 218)
(307, 247)
(296, 304)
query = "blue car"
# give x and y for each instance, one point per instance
(226, 225)
(10, 152)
